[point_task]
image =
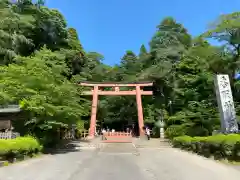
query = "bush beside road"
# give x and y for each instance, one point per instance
(19, 148)
(221, 147)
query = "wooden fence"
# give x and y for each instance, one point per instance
(9, 135)
(83, 134)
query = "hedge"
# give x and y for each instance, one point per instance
(218, 146)
(21, 146)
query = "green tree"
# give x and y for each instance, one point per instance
(49, 99)
(13, 30)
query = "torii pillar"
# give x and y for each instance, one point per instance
(139, 110)
(94, 112)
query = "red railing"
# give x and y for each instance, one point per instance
(117, 137)
(117, 134)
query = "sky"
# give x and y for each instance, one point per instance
(110, 27)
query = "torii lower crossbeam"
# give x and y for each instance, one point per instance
(116, 92)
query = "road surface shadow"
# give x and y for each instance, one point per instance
(66, 147)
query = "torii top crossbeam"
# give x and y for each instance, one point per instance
(115, 84)
(116, 87)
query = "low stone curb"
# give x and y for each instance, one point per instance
(15, 160)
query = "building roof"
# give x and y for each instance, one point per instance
(10, 109)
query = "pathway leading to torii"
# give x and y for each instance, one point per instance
(121, 161)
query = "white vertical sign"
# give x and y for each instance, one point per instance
(226, 104)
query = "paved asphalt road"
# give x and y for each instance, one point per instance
(120, 162)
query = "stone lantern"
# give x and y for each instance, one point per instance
(161, 124)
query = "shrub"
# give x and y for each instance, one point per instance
(12, 148)
(175, 131)
(219, 146)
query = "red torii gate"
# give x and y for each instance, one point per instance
(97, 86)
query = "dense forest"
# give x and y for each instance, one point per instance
(42, 60)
